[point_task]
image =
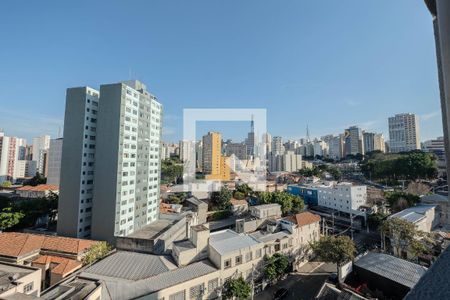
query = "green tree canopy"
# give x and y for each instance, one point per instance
(171, 171)
(290, 204)
(6, 184)
(335, 249)
(275, 266)
(245, 189)
(9, 218)
(221, 199)
(401, 233)
(237, 288)
(396, 166)
(96, 252)
(36, 180)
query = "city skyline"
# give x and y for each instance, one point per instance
(288, 67)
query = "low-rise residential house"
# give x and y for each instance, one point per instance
(56, 257)
(257, 217)
(424, 217)
(266, 211)
(19, 282)
(342, 196)
(39, 191)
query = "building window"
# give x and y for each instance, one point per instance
(227, 263)
(28, 288)
(238, 260)
(213, 284)
(258, 253)
(248, 256)
(196, 292)
(178, 296)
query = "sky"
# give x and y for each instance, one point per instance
(326, 64)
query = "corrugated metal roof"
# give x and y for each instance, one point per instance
(123, 288)
(393, 268)
(130, 266)
(413, 214)
(228, 241)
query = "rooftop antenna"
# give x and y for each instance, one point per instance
(252, 125)
(307, 133)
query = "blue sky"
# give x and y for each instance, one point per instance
(327, 63)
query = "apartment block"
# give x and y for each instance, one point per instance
(77, 162)
(215, 165)
(41, 145)
(373, 142)
(127, 160)
(353, 141)
(342, 196)
(54, 161)
(110, 161)
(404, 133)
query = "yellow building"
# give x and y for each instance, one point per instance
(215, 165)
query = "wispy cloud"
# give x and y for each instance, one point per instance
(352, 102)
(430, 115)
(167, 131)
(27, 125)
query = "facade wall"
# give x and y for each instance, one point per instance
(54, 161)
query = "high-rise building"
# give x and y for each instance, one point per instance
(215, 165)
(238, 149)
(436, 146)
(127, 163)
(54, 161)
(440, 10)
(336, 147)
(78, 157)
(12, 149)
(250, 141)
(110, 161)
(404, 133)
(373, 142)
(277, 145)
(266, 144)
(353, 141)
(286, 162)
(41, 145)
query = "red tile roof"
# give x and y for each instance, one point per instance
(17, 244)
(304, 218)
(63, 266)
(39, 188)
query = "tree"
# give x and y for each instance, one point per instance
(221, 199)
(401, 200)
(96, 252)
(237, 288)
(238, 195)
(6, 184)
(244, 189)
(275, 266)
(418, 188)
(9, 218)
(36, 180)
(171, 171)
(400, 232)
(375, 220)
(335, 249)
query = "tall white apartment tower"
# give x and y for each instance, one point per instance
(404, 133)
(78, 155)
(127, 162)
(41, 145)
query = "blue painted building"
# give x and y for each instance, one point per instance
(309, 194)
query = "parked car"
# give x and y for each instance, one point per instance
(280, 294)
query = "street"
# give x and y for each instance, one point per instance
(303, 285)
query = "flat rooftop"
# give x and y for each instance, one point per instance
(9, 273)
(154, 229)
(227, 241)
